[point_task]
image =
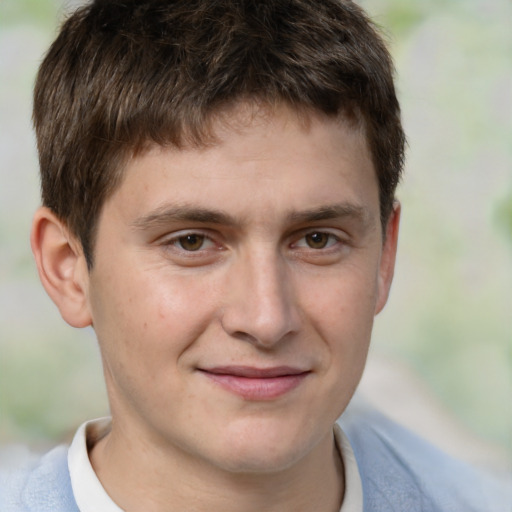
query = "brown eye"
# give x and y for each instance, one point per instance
(317, 240)
(192, 242)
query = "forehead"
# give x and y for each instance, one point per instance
(275, 158)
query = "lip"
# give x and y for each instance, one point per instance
(258, 384)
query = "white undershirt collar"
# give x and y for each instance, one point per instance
(90, 495)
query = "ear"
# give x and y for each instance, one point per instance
(62, 267)
(388, 257)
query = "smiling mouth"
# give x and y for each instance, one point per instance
(257, 383)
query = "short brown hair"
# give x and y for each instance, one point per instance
(123, 74)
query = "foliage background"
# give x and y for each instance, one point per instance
(450, 313)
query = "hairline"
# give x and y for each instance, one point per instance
(224, 117)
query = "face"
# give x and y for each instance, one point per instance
(234, 288)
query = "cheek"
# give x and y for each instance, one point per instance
(150, 315)
(342, 312)
(144, 326)
(344, 301)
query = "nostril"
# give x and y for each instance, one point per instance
(244, 336)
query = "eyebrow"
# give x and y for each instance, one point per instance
(330, 212)
(167, 214)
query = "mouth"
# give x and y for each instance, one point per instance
(257, 384)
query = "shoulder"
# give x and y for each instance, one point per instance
(400, 471)
(30, 483)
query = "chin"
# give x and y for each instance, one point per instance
(263, 450)
(260, 461)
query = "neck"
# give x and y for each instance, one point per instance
(140, 477)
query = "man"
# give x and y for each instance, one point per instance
(218, 182)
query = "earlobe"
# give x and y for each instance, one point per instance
(61, 266)
(388, 257)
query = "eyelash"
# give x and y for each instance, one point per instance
(177, 240)
(209, 247)
(330, 242)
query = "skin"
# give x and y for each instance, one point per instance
(264, 250)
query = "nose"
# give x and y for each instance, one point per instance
(261, 305)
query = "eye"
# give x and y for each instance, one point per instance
(191, 242)
(318, 240)
(192, 248)
(321, 247)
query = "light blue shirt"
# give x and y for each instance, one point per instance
(399, 471)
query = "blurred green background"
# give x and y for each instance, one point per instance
(449, 318)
